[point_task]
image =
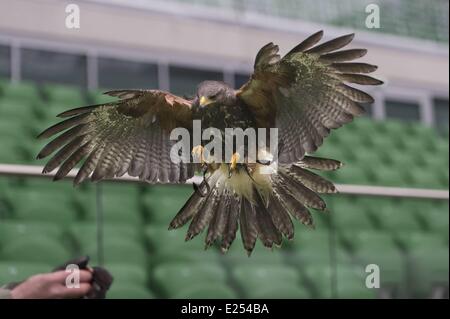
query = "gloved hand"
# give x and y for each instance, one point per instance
(101, 278)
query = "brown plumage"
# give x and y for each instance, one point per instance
(305, 94)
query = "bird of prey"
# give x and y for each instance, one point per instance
(303, 94)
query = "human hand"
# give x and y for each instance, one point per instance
(52, 286)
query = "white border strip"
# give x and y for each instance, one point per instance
(35, 171)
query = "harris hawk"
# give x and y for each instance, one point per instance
(303, 94)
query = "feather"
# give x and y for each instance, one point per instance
(318, 163)
(307, 43)
(61, 126)
(344, 55)
(354, 67)
(354, 94)
(88, 165)
(247, 224)
(217, 226)
(332, 45)
(204, 215)
(280, 216)
(73, 160)
(267, 232)
(63, 154)
(187, 211)
(81, 110)
(359, 79)
(313, 181)
(62, 139)
(295, 208)
(302, 193)
(231, 225)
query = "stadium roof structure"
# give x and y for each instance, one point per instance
(409, 18)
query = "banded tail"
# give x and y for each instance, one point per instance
(260, 206)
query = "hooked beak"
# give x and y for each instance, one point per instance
(204, 101)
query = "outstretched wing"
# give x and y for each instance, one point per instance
(130, 135)
(304, 94)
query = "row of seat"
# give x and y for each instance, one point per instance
(132, 204)
(182, 272)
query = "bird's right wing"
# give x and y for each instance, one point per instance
(130, 135)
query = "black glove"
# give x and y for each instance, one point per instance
(101, 278)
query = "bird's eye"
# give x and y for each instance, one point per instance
(212, 97)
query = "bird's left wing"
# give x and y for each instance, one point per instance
(130, 135)
(305, 93)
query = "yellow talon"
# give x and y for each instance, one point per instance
(198, 153)
(234, 159)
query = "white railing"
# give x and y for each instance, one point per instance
(36, 171)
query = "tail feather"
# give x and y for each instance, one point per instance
(188, 210)
(313, 181)
(247, 225)
(259, 206)
(204, 215)
(231, 225)
(267, 231)
(306, 196)
(322, 164)
(280, 216)
(219, 220)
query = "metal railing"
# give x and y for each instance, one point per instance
(36, 171)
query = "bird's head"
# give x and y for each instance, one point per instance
(214, 92)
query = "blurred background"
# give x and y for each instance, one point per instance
(402, 142)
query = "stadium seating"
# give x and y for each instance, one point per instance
(43, 224)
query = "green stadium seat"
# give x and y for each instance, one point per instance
(128, 292)
(369, 240)
(12, 129)
(15, 110)
(97, 97)
(392, 128)
(428, 269)
(39, 205)
(120, 202)
(353, 175)
(39, 248)
(350, 281)
(366, 157)
(14, 272)
(349, 214)
(414, 240)
(380, 143)
(11, 153)
(127, 274)
(84, 235)
(400, 158)
(71, 97)
(236, 255)
(424, 178)
(162, 203)
(23, 91)
(397, 217)
(117, 209)
(391, 263)
(172, 278)
(260, 277)
(116, 250)
(11, 230)
(206, 291)
(281, 291)
(390, 176)
(170, 245)
(437, 218)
